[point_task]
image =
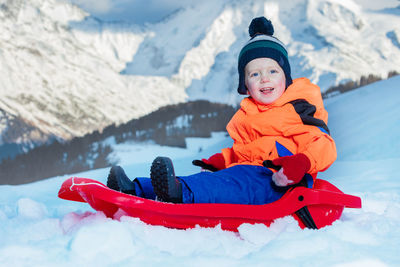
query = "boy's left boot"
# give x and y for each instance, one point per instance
(166, 187)
(118, 181)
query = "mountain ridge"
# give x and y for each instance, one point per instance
(64, 73)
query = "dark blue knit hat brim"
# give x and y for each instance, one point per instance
(260, 52)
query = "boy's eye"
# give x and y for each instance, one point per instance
(254, 74)
(274, 71)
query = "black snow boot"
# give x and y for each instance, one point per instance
(118, 181)
(166, 187)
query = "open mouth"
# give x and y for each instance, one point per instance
(267, 89)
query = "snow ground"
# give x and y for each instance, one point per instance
(38, 229)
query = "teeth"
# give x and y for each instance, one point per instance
(267, 89)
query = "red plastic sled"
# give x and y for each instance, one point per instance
(312, 208)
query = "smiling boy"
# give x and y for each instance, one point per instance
(265, 80)
(281, 120)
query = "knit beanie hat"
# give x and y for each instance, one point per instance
(262, 44)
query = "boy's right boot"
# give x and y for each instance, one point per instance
(166, 187)
(118, 181)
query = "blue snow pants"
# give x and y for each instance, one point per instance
(240, 184)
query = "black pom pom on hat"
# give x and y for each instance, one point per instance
(261, 25)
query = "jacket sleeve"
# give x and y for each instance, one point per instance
(228, 155)
(313, 137)
(319, 148)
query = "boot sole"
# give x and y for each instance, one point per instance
(163, 179)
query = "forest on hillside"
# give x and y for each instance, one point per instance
(168, 126)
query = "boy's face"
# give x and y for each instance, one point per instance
(265, 80)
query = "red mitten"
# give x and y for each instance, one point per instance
(293, 169)
(216, 160)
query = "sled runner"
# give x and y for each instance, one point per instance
(312, 208)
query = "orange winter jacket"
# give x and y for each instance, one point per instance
(295, 122)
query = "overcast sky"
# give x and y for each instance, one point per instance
(136, 11)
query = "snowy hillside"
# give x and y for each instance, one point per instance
(38, 229)
(60, 73)
(64, 73)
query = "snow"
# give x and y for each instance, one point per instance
(39, 229)
(66, 73)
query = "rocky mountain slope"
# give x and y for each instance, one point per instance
(64, 73)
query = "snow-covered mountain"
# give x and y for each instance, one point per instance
(64, 73)
(60, 73)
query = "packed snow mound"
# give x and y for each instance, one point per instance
(366, 121)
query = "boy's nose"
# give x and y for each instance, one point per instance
(264, 78)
